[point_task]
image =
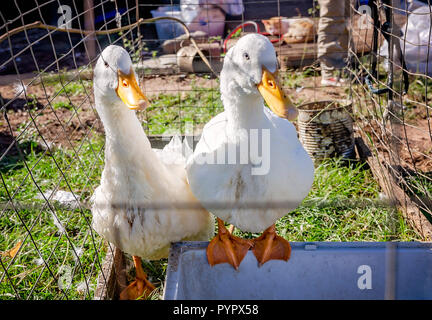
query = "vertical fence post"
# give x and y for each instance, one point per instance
(89, 25)
(393, 131)
(137, 17)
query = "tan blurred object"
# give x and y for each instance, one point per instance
(12, 252)
(276, 25)
(293, 30)
(333, 36)
(173, 45)
(301, 30)
(188, 59)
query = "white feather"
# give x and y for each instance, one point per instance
(224, 188)
(138, 205)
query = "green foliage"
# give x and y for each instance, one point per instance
(315, 10)
(294, 78)
(74, 88)
(236, 34)
(62, 104)
(49, 251)
(214, 39)
(343, 205)
(32, 102)
(171, 113)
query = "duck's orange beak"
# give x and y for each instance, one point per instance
(277, 100)
(129, 91)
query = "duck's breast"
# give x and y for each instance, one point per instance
(251, 194)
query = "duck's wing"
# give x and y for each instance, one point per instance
(175, 153)
(204, 177)
(213, 134)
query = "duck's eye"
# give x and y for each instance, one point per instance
(106, 64)
(125, 83)
(246, 56)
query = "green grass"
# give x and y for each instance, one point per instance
(74, 88)
(62, 104)
(293, 78)
(419, 186)
(327, 214)
(417, 89)
(417, 99)
(167, 114)
(171, 113)
(31, 277)
(342, 206)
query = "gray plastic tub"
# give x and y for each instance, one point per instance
(316, 270)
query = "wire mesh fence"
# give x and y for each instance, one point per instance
(48, 131)
(52, 140)
(390, 91)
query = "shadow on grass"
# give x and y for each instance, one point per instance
(13, 153)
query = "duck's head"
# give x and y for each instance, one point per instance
(250, 68)
(115, 80)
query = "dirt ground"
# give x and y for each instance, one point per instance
(419, 139)
(59, 126)
(414, 147)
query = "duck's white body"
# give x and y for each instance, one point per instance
(138, 205)
(267, 189)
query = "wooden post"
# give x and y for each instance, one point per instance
(89, 25)
(402, 201)
(139, 38)
(112, 276)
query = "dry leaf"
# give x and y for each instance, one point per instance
(12, 252)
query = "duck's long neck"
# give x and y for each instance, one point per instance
(243, 112)
(125, 138)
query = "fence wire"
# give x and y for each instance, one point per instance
(48, 133)
(51, 138)
(394, 122)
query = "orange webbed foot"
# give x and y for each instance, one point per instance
(270, 246)
(141, 288)
(226, 248)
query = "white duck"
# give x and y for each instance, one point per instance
(135, 181)
(240, 187)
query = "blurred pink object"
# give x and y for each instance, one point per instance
(210, 20)
(209, 15)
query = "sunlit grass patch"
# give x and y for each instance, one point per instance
(60, 255)
(344, 205)
(172, 113)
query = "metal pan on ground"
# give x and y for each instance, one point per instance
(316, 270)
